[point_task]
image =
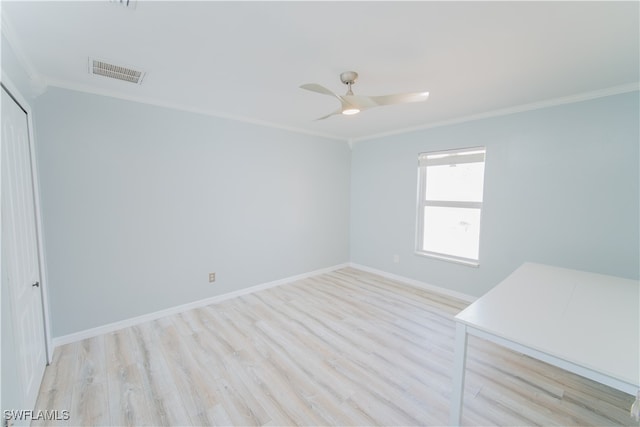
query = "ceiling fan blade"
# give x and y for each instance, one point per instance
(353, 104)
(313, 87)
(360, 102)
(330, 114)
(400, 98)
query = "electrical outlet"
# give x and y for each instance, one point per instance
(212, 277)
(396, 259)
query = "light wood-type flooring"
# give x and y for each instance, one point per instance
(342, 348)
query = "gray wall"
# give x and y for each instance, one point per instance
(140, 203)
(561, 187)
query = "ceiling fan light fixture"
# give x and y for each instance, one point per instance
(353, 104)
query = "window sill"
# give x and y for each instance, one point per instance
(449, 258)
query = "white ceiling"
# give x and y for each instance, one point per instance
(246, 60)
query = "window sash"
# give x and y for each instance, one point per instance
(452, 157)
(453, 204)
(448, 157)
(447, 236)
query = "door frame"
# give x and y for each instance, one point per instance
(13, 91)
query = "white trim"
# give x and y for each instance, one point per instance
(41, 82)
(437, 159)
(450, 258)
(453, 204)
(44, 282)
(351, 141)
(615, 90)
(456, 156)
(111, 327)
(38, 83)
(174, 106)
(415, 283)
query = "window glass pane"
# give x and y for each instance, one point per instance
(462, 182)
(452, 231)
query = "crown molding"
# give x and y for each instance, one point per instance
(170, 105)
(38, 84)
(351, 141)
(615, 90)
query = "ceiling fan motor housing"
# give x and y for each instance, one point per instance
(348, 77)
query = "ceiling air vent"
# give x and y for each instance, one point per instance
(103, 68)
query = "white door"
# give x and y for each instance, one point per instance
(20, 251)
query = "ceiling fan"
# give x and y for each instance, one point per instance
(352, 104)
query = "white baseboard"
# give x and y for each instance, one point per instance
(416, 283)
(111, 327)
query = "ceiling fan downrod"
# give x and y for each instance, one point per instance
(349, 78)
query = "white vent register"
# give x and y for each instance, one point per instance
(118, 72)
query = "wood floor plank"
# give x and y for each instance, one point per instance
(310, 351)
(166, 406)
(318, 394)
(128, 404)
(342, 348)
(244, 404)
(89, 398)
(189, 382)
(56, 389)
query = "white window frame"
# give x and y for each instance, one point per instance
(450, 157)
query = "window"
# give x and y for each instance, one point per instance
(450, 191)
